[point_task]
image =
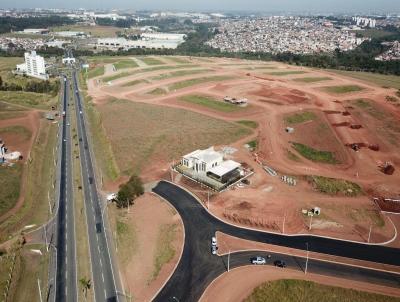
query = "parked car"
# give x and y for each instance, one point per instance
(280, 263)
(214, 249)
(258, 260)
(213, 241)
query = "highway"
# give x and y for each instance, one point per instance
(104, 279)
(66, 285)
(198, 267)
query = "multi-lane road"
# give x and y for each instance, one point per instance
(66, 279)
(104, 279)
(198, 267)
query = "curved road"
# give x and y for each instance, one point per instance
(198, 267)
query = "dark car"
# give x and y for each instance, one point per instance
(280, 263)
(98, 227)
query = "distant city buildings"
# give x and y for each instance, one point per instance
(147, 40)
(392, 54)
(282, 34)
(34, 66)
(364, 22)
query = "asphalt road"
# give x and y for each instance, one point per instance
(101, 263)
(198, 267)
(66, 285)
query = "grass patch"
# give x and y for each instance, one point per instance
(300, 290)
(29, 99)
(284, 73)
(117, 76)
(164, 250)
(139, 132)
(178, 60)
(179, 73)
(158, 91)
(342, 89)
(150, 61)
(99, 31)
(293, 156)
(192, 82)
(39, 177)
(210, 102)
(312, 79)
(10, 115)
(300, 117)
(21, 131)
(333, 186)
(126, 239)
(125, 64)
(247, 123)
(10, 183)
(315, 155)
(133, 83)
(252, 144)
(95, 72)
(144, 70)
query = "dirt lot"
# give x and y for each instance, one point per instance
(273, 96)
(150, 242)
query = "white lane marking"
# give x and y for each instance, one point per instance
(102, 276)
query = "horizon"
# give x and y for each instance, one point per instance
(234, 6)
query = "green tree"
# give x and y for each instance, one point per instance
(129, 191)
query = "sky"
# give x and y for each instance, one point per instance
(327, 6)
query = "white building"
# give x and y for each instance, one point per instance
(211, 163)
(68, 61)
(34, 66)
(122, 43)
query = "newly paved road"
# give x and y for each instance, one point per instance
(101, 263)
(66, 281)
(198, 267)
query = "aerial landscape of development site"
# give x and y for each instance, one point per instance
(200, 152)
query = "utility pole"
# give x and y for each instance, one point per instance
(45, 238)
(40, 291)
(283, 225)
(305, 271)
(311, 216)
(369, 234)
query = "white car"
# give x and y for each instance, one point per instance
(214, 249)
(258, 260)
(214, 241)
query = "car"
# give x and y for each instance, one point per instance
(258, 260)
(98, 227)
(214, 249)
(80, 112)
(280, 263)
(213, 241)
(68, 124)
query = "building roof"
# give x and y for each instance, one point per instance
(224, 168)
(207, 155)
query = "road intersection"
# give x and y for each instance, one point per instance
(198, 267)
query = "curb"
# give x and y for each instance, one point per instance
(288, 235)
(183, 248)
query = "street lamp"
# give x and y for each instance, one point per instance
(305, 271)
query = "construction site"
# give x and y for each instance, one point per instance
(320, 156)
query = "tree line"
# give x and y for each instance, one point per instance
(51, 87)
(8, 24)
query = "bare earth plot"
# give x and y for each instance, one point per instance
(274, 96)
(149, 242)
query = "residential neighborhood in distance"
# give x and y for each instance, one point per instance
(183, 151)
